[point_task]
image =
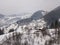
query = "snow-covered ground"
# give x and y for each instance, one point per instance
(34, 33)
(30, 34)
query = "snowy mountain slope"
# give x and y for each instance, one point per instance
(33, 26)
(24, 21)
(20, 18)
(33, 31)
(35, 16)
(29, 34)
(39, 23)
(9, 19)
(25, 30)
(22, 29)
(38, 14)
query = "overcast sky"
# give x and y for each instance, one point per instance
(8, 7)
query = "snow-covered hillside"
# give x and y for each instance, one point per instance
(35, 33)
(31, 34)
(31, 31)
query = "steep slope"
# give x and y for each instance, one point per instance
(52, 16)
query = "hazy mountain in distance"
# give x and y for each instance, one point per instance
(26, 18)
(9, 19)
(37, 15)
(52, 16)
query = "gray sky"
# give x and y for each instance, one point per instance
(8, 7)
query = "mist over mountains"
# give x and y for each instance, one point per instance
(48, 17)
(32, 29)
(9, 19)
(35, 16)
(21, 19)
